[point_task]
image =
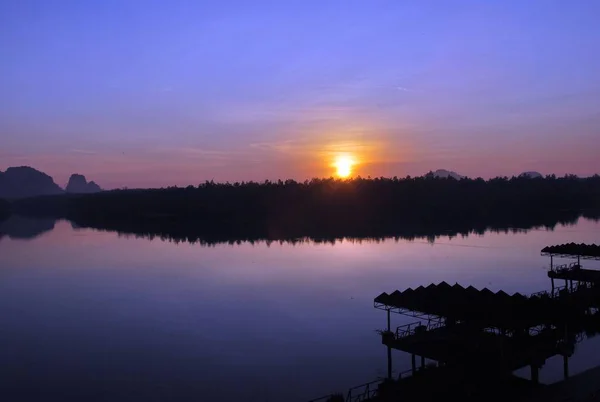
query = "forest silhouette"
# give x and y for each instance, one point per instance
(323, 209)
(4, 209)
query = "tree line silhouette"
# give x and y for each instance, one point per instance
(329, 208)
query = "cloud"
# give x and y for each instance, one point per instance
(276, 146)
(83, 152)
(320, 151)
(11, 155)
(197, 152)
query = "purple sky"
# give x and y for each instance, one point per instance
(146, 93)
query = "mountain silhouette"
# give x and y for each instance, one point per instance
(25, 181)
(444, 174)
(531, 175)
(79, 185)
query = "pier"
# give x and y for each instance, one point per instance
(473, 340)
(482, 329)
(573, 272)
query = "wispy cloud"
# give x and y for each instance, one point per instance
(276, 146)
(11, 155)
(193, 152)
(83, 152)
(320, 149)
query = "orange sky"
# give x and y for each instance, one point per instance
(209, 91)
(298, 160)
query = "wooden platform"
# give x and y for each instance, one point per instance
(582, 387)
(576, 274)
(458, 345)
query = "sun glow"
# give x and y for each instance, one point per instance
(343, 165)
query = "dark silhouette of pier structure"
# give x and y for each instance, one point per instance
(473, 340)
(573, 272)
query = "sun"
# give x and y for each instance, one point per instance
(343, 165)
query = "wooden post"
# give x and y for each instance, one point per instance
(551, 263)
(422, 361)
(565, 355)
(389, 348)
(552, 279)
(414, 363)
(535, 374)
(388, 320)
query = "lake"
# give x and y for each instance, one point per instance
(97, 316)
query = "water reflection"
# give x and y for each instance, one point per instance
(195, 233)
(24, 228)
(89, 315)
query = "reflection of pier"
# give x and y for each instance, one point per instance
(474, 339)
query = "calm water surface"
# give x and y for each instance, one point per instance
(95, 316)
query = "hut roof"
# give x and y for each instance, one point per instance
(495, 309)
(573, 249)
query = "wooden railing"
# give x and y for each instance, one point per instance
(363, 392)
(360, 393)
(550, 293)
(326, 398)
(415, 328)
(565, 267)
(558, 289)
(404, 374)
